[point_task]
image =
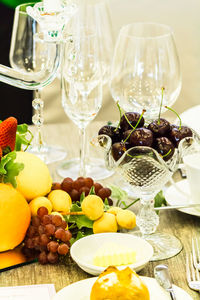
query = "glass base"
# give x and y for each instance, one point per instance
(49, 154)
(164, 245)
(95, 168)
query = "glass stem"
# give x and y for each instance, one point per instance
(147, 219)
(82, 171)
(38, 119)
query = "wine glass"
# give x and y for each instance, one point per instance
(95, 15)
(81, 85)
(27, 54)
(145, 60)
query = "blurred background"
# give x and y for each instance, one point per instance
(181, 15)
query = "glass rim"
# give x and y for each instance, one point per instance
(18, 7)
(168, 29)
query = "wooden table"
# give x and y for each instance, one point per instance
(173, 222)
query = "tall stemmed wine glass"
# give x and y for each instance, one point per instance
(27, 54)
(145, 60)
(95, 15)
(81, 83)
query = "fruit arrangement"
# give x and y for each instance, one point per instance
(133, 131)
(91, 209)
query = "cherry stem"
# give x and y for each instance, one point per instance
(161, 103)
(176, 115)
(170, 150)
(144, 110)
(120, 115)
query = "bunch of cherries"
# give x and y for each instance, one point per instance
(132, 131)
(47, 237)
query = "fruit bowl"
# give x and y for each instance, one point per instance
(147, 172)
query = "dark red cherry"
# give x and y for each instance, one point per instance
(176, 134)
(165, 147)
(141, 137)
(159, 127)
(113, 132)
(118, 150)
(133, 118)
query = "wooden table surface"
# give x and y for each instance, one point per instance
(174, 222)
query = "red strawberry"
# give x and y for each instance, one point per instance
(1, 153)
(8, 130)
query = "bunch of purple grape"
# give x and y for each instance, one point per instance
(82, 185)
(132, 131)
(47, 237)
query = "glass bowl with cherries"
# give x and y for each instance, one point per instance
(146, 155)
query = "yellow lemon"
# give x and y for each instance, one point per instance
(107, 223)
(37, 203)
(92, 206)
(126, 219)
(35, 179)
(61, 201)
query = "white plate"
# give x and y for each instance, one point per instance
(81, 290)
(174, 196)
(190, 117)
(84, 250)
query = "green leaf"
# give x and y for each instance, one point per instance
(75, 207)
(92, 191)
(22, 137)
(117, 193)
(106, 205)
(81, 221)
(82, 197)
(159, 200)
(22, 128)
(9, 169)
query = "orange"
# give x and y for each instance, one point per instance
(11, 258)
(15, 217)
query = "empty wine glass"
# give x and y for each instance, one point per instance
(145, 60)
(95, 15)
(81, 85)
(27, 54)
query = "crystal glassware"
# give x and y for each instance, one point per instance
(81, 85)
(94, 15)
(27, 53)
(145, 60)
(146, 172)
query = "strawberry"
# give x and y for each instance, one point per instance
(1, 153)
(8, 130)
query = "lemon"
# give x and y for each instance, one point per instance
(92, 206)
(107, 223)
(37, 203)
(61, 201)
(35, 179)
